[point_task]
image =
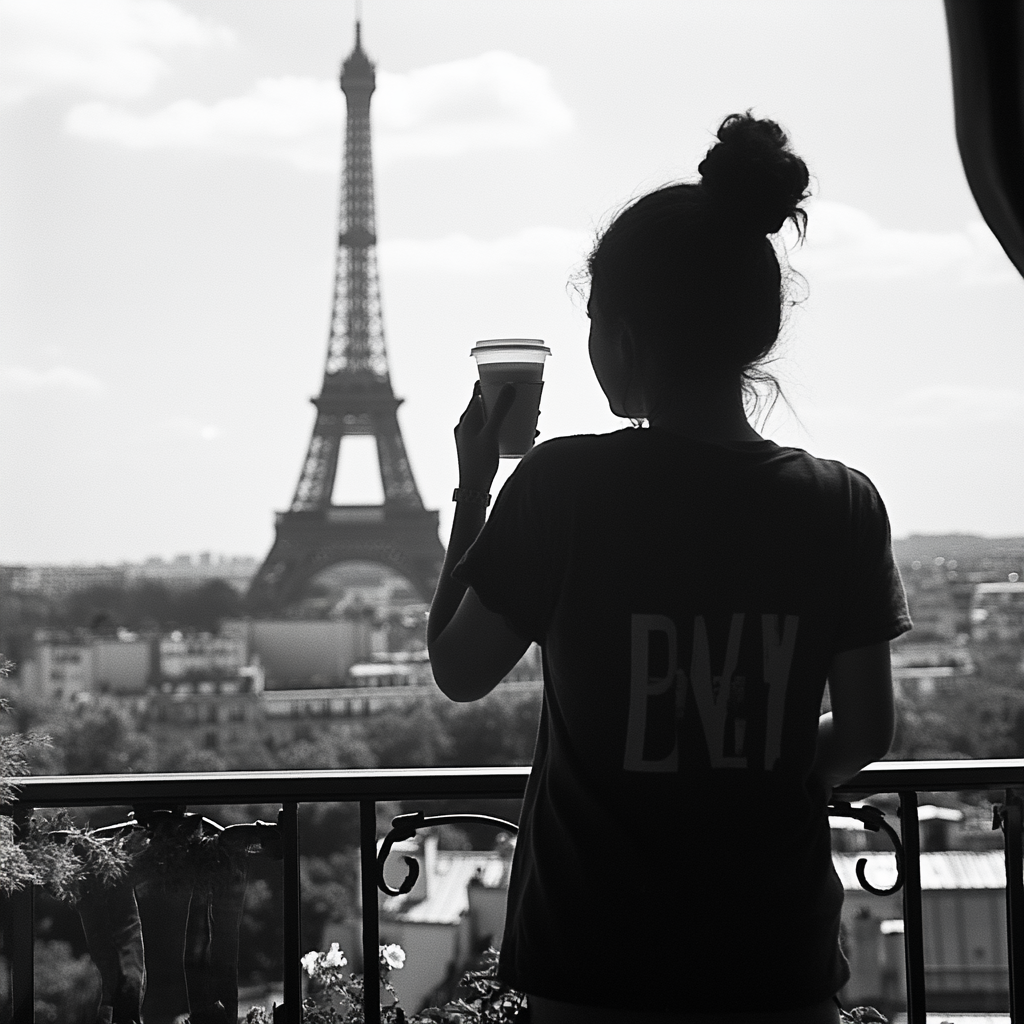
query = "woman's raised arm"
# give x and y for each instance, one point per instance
(471, 648)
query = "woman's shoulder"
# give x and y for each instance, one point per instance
(828, 471)
(562, 453)
(567, 457)
(839, 486)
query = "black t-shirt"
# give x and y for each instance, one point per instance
(688, 598)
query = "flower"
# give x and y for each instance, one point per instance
(309, 962)
(393, 955)
(335, 957)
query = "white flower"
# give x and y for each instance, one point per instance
(335, 957)
(393, 955)
(309, 962)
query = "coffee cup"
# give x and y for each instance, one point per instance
(520, 362)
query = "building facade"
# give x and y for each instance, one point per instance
(67, 665)
(997, 612)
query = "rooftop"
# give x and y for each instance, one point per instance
(447, 896)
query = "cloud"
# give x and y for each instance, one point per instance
(22, 380)
(109, 48)
(297, 120)
(491, 102)
(195, 431)
(845, 244)
(544, 247)
(494, 101)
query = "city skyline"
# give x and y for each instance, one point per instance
(172, 195)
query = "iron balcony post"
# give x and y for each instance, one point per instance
(288, 820)
(371, 926)
(21, 937)
(913, 921)
(1011, 821)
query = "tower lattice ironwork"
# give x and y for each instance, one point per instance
(356, 399)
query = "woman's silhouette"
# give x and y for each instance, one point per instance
(692, 587)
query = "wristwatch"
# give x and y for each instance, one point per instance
(476, 497)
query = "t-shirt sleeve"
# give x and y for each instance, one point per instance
(876, 603)
(516, 564)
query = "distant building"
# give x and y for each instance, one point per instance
(976, 559)
(186, 571)
(290, 714)
(997, 612)
(258, 679)
(57, 668)
(206, 690)
(195, 656)
(964, 909)
(391, 672)
(932, 601)
(304, 653)
(64, 665)
(180, 572)
(67, 665)
(386, 682)
(121, 666)
(217, 714)
(922, 668)
(61, 580)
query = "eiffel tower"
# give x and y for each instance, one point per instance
(356, 399)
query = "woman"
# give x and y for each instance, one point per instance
(692, 586)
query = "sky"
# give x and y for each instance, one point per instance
(168, 213)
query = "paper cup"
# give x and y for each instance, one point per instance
(518, 361)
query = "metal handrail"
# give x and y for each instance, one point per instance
(210, 788)
(367, 787)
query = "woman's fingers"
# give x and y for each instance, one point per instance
(474, 410)
(476, 439)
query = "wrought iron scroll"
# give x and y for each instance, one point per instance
(405, 826)
(873, 819)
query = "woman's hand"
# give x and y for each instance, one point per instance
(476, 438)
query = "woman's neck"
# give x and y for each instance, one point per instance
(704, 413)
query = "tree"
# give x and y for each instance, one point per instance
(146, 605)
(413, 737)
(206, 606)
(187, 757)
(37, 856)
(101, 737)
(500, 729)
(972, 719)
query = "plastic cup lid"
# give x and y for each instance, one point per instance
(533, 344)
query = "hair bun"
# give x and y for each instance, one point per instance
(753, 177)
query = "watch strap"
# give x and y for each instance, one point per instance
(476, 497)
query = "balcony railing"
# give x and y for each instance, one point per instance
(369, 787)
